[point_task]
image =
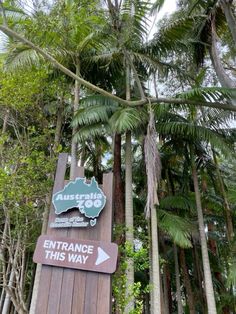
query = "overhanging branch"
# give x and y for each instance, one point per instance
(224, 106)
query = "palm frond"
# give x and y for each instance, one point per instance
(231, 280)
(134, 18)
(125, 119)
(171, 37)
(192, 131)
(178, 228)
(178, 202)
(90, 132)
(21, 56)
(157, 5)
(216, 94)
(92, 114)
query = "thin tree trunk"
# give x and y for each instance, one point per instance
(228, 212)
(213, 248)
(187, 283)
(5, 121)
(199, 277)
(2, 298)
(228, 12)
(155, 279)
(74, 144)
(129, 219)
(9, 285)
(39, 266)
(177, 282)
(222, 76)
(3, 243)
(165, 290)
(119, 200)
(211, 304)
(57, 137)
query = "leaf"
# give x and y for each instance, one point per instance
(178, 228)
(89, 132)
(126, 119)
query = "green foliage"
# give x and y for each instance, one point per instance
(178, 228)
(126, 119)
(138, 290)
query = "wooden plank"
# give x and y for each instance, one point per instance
(90, 303)
(105, 232)
(46, 272)
(74, 291)
(54, 293)
(68, 278)
(67, 291)
(104, 280)
(104, 294)
(79, 292)
(102, 232)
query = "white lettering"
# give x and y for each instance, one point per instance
(80, 204)
(59, 197)
(97, 203)
(88, 203)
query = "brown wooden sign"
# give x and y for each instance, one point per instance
(95, 256)
(61, 290)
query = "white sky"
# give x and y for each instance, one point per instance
(168, 7)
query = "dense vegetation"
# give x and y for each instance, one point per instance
(84, 77)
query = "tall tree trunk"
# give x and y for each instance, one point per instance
(211, 304)
(222, 76)
(119, 200)
(230, 18)
(228, 212)
(129, 218)
(155, 278)
(57, 137)
(74, 144)
(187, 283)
(198, 274)
(165, 290)
(153, 170)
(213, 248)
(177, 282)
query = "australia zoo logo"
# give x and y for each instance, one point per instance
(87, 198)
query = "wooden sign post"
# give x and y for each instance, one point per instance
(74, 277)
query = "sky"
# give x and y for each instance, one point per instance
(168, 7)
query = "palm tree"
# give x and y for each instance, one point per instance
(174, 129)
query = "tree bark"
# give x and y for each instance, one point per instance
(119, 200)
(211, 304)
(129, 218)
(177, 282)
(230, 18)
(74, 144)
(198, 274)
(222, 76)
(5, 121)
(57, 137)
(187, 283)
(155, 279)
(227, 210)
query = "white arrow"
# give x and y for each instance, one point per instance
(102, 256)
